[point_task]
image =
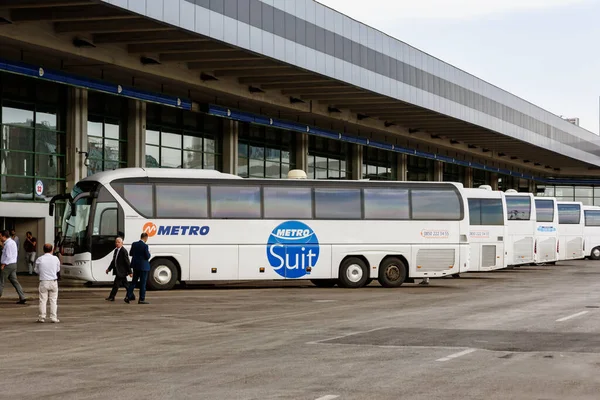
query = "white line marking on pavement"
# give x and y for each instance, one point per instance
(324, 301)
(456, 355)
(572, 316)
(329, 397)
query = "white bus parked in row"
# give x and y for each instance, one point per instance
(570, 230)
(546, 232)
(520, 209)
(209, 226)
(487, 215)
(591, 232)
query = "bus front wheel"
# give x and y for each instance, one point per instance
(354, 273)
(163, 274)
(392, 272)
(595, 254)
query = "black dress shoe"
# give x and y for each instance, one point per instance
(143, 302)
(126, 300)
(23, 301)
(110, 299)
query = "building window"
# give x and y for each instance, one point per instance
(453, 173)
(264, 152)
(327, 159)
(481, 177)
(182, 139)
(107, 142)
(419, 169)
(32, 139)
(379, 165)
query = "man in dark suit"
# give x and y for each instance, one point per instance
(121, 267)
(141, 267)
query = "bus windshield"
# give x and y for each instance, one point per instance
(75, 228)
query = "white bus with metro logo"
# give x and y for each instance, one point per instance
(591, 231)
(206, 226)
(487, 214)
(571, 225)
(546, 231)
(521, 214)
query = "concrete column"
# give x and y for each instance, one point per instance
(438, 171)
(77, 141)
(136, 133)
(301, 151)
(494, 181)
(401, 169)
(469, 178)
(357, 161)
(230, 147)
(532, 187)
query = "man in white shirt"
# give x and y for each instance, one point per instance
(48, 267)
(8, 265)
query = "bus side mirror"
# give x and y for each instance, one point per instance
(73, 210)
(51, 209)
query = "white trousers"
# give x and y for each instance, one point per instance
(48, 290)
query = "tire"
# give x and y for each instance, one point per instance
(456, 276)
(354, 273)
(163, 274)
(324, 283)
(392, 272)
(595, 253)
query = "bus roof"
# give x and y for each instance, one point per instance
(479, 193)
(121, 173)
(106, 177)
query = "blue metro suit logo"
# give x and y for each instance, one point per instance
(293, 249)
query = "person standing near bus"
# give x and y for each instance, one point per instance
(121, 267)
(48, 268)
(140, 256)
(30, 247)
(8, 266)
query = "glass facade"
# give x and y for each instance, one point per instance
(107, 143)
(481, 177)
(454, 173)
(588, 195)
(264, 152)
(182, 139)
(328, 159)
(379, 165)
(32, 139)
(419, 169)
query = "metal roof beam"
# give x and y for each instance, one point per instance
(197, 45)
(239, 65)
(132, 24)
(258, 80)
(305, 85)
(77, 13)
(319, 91)
(144, 37)
(242, 74)
(195, 60)
(19, 4)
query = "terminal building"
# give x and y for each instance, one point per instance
(254, 88)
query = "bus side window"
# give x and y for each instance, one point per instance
(435, 205)
(386, 204)
(338, 204)
(287, 202)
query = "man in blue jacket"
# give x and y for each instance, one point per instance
(141, 267)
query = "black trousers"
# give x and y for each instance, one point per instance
(119, 281)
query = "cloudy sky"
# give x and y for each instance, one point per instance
(545, 51)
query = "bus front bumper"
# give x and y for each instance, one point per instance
(81, 272)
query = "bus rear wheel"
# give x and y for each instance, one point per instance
(595, 253)
(163, 274)
(392, 272)
(354, 273)
(324, 283)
